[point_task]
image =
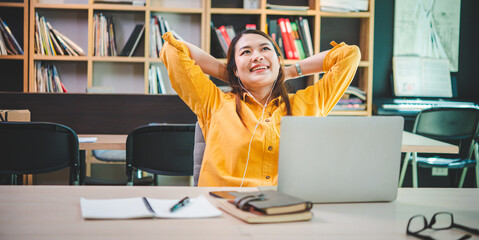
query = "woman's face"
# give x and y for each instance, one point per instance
(256, 61)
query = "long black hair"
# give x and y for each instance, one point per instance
(279, 89)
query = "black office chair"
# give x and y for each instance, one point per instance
(160, 149)
(454, 125)
(35, 147)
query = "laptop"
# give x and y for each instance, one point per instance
(340, 159)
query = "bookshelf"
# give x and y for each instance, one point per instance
(15, 14)
(191, 20)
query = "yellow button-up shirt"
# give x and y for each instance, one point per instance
(227, 139)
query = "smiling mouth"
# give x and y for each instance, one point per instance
(258, 68)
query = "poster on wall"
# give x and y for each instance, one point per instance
(428, 29)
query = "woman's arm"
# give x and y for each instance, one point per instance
(207, 63)
(310, 65)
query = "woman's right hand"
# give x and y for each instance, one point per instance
(168, 37)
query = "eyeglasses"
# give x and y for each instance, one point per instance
(439, 221)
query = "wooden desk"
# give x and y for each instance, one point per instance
(416, 143)
(53, 212)
(410, 143)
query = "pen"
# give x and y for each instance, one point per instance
(180, 204)
(150, 209)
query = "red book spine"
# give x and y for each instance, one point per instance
(291, 38)
(286, 40)
(225, 35)
(63, 88)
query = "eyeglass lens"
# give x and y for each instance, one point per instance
(417, 224)
(441, 220)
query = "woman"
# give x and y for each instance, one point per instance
(241, 128)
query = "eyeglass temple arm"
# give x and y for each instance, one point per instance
(417, 235)
(471, 230)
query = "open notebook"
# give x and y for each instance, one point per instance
(129, 208)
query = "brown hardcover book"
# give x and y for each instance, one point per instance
(258, 217)
(275, 202)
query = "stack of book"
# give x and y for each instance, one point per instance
(49, 41)
(155, 80)
(292, 36)
(47, 78)
(159, 26)
(266, 207)
(8, 43)
(353, 99)
(158, 80)
(344, 5)
(132, 42)
(282, 7)
(104, 35)
(222, 36)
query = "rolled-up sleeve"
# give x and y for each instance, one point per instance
(189, 81)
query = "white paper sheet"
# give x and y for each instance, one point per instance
(87, 139)
(128, 208)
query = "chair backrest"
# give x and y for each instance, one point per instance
(198, 152)
(35, 147)
(163, 149)
(449, 124)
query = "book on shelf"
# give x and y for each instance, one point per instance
(225, 35)
(292, 36)
(141, 207)
(158, 80)
(159, 26)
(344, 5)
(49, 41)
(356, 92)
(304, 28)
(47, 78)
(104, 35)
(350, 104)
(132, 42)
(297, 41)
(219, 47)
(8, 42)
(266, 207)
(282, 7)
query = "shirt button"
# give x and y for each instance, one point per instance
(267, 120)
(270, 148)
(267, 177)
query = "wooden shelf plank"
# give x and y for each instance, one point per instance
(290, 13)
(60, 58)
(118, 7)
(176, 10)
(235, 11)
(119, 59)
(350, 113)
(346, 15)
(62, 6)
(12, 4)
(13, 57)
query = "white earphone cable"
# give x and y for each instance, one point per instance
(257, 124)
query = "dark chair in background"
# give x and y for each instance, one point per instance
(160, 149)
(35, 147)
(455, 125)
